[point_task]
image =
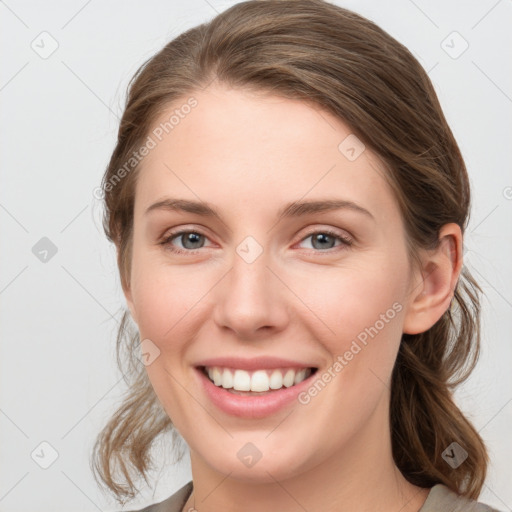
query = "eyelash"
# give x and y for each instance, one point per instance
(346, 242)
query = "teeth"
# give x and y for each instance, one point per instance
(276, 380)
(257, 381)
(241, 380)
(227, 379)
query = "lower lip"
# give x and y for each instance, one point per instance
(252, 406)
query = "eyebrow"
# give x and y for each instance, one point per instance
(293, 209)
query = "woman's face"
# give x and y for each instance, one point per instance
(250, 283)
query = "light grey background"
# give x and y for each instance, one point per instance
(59, 117)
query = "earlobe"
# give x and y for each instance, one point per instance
(441, 267)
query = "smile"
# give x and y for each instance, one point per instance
(256, 393)
(256, 381)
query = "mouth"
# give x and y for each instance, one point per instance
(256, 382)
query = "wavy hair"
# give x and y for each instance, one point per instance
(333, 58)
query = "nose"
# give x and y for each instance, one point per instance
(251, 300)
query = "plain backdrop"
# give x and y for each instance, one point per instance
(64, 71)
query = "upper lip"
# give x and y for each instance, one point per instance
(255, 363)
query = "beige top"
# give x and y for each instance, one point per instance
(439, 499)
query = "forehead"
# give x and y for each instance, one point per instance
(242, 148)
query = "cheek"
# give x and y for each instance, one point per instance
(168, 299)
(163, 309)
(361, 312)
(348, 300)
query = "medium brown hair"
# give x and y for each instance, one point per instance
(341, 62)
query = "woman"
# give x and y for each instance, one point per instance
(301, 377)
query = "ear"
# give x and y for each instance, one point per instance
(440, 272)
(126, 286)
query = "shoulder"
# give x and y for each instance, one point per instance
(174, 503)
(441, 498)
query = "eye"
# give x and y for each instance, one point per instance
(324, 239)
(190, 240)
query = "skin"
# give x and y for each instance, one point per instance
(249, 154)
